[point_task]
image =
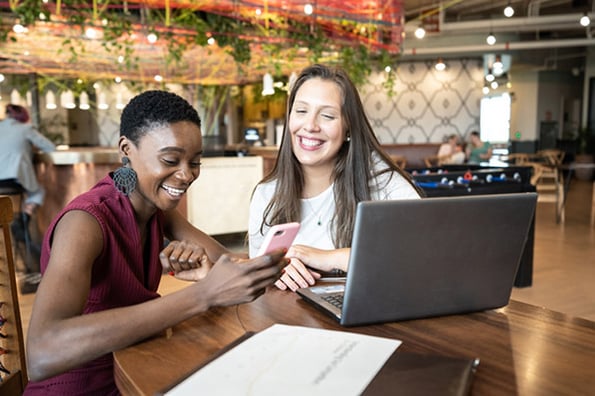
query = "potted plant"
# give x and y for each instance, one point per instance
(585, 144)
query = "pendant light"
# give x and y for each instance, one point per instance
(508, 11)
(15, 97)
(491, 39)
(84, 101)
(50, 100)
(67, 100)
(102, 101)
(267, 85)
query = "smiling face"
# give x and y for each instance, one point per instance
(166, 161)
(316, 123)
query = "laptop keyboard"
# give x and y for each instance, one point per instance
(334, 299)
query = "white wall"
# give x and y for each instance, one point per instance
(523, 116)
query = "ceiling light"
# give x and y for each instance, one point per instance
(491, 39)
(267, 85)
(440, 65)
(91, 33)
(15, 97)
(485, 90)
(585, 20)
(308, 9)
(18, 28)
(211, 40)
(387, 69)
(508, 11)
(494, 84)
(119, 101)
(158, 77)
(84, 101)
(50, 100)
(67, 100)
(490, 77)
(152, 38)
(1, 77)
(420, 32)
(101, 101)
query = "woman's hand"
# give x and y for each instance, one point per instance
(296, 275)
(306, 261)
(186, 260)
(234, 280)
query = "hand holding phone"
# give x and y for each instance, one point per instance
(279, 236)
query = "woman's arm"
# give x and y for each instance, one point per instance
(180, 229)
(40, 141)
(60, 337)
(306, 260)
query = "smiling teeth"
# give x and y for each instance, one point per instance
(173, 191)
(310, 143)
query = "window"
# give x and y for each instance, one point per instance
(495, 118)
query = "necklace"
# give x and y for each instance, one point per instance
(315, 212)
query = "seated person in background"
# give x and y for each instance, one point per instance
(18, 138)
(448, 147)
(329, 160)
(451, 152)
(103, 256)
(457, 157)
(477, 150)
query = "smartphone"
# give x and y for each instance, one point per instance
(279, 236)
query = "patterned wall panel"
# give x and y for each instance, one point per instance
(427, 104)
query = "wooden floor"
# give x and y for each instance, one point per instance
(564, 260)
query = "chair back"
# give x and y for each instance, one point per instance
(13, 368)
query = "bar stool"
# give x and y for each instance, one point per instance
(12, 188)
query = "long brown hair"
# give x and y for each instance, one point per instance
(353, 167)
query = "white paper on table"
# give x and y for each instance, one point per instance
(293, 360)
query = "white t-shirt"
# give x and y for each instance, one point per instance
(318, 211)
(444, 150)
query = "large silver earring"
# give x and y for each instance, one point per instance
(125, 177)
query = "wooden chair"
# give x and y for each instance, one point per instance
(400, 160)
(548, 179)
(12, 345)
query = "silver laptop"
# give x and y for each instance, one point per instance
(429, 257)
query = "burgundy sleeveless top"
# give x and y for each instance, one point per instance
(120, 277)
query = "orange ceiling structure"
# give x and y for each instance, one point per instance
(55, 46)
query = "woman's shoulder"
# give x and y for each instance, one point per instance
(266, 188)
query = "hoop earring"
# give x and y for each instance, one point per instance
(125, 178)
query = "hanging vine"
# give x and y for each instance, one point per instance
(282, 38)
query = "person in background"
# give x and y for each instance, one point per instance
(103, 256)
(451, 152)
(448, 147)
(328, 161)
(478, 151)
(18, 140)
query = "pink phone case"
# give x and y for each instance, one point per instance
(279, 236)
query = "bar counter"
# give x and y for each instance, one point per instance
(66, 173)
(78, 155)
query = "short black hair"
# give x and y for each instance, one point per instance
(152, 109)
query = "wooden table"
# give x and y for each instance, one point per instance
(524, 349)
